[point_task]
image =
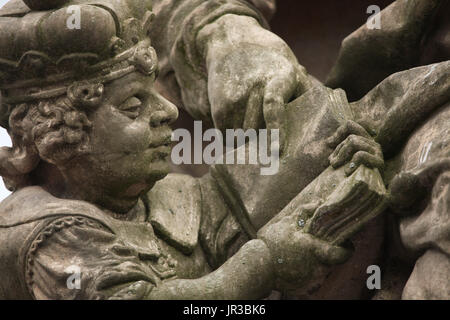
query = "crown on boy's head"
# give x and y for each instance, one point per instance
(46, 46)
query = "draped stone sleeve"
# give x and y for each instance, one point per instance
(418, 178)
(401, 102)
(424, 204)
(429, 232)
(182, 76)
(72, 249)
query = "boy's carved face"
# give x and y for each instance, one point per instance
(129, 142)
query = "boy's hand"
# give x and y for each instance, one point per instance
(299, 259)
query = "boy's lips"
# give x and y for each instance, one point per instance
(164, 141)
(161, 152)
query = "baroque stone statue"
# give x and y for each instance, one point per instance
(364, 159)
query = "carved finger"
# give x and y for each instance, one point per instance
(350, 127)
(345, 151)
(304, 82)
(364, 158)
(276, 95)
(254, 117)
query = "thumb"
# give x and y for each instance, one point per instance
(276, 94)
(331, 254)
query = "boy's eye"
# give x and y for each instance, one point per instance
(131, 107)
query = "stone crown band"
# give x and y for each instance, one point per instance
(141, 57)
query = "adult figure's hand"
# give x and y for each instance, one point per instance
(252, 73)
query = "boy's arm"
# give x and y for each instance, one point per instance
(246, 275)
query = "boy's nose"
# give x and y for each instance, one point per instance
(166, 114)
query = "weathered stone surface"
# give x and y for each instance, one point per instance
(91, 140)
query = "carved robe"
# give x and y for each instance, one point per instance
(43, 236)
(413, 33)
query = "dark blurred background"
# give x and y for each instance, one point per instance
(314, 30)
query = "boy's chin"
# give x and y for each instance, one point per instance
(159, 170)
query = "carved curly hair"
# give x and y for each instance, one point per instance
(54, 130)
